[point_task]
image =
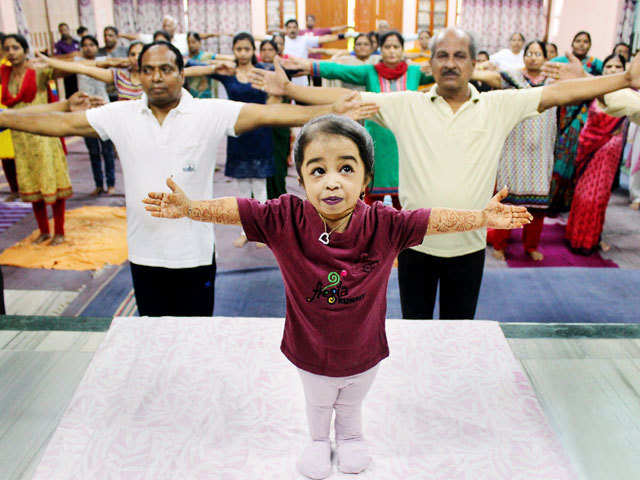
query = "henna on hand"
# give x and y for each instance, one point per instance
(447, 220)
(221, 210)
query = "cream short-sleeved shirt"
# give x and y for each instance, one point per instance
(451, 160)
(623, 103)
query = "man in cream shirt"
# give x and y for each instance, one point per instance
(449, 143)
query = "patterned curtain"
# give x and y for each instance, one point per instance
(224, 16)
(625, 20)
(87, 15)
(124, 15)
(150, 13)
(21, 19)
(493, 21)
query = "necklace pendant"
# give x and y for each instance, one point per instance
(324, 238)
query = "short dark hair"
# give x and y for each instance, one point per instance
(335, 125)
(18, 38)
(483, 52)
(540, 43)
(195, 35)
(248, 37)
(519, 34)
(291, 20)
(112, 28)
(81, 30)
(269, 41)
(624, 44)
(582, 32)
(365, 35)
(391, 33)
(611, 57)
(373, 34)
(133, 44)
(91, 38)
(176, 52)
(63, 24)
(163, 33)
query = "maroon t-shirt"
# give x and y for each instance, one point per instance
(337, 293)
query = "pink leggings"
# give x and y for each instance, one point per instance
(342, 394)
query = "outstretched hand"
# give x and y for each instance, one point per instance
(167, 205)
(273, 83)
(224, 67)
(80, 101)
(565, 71)
(505, 216)
(352, 106)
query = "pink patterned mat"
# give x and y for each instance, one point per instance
(176, 398)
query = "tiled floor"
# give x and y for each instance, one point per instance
(588, 388)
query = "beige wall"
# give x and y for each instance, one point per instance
(598, 17)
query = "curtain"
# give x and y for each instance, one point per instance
(625, 20)
(150, 13)
(493, 21)
(21, 19)
(87, 15)
(124, 15)
(224, 16)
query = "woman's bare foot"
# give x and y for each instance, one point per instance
(499, 254)
(241, 241)
(535, 255)
(635, 205)
(111, 190)
(96, 191)
(261, 245)
(604, 246)
(42, 238)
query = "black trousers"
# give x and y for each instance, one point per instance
(177, 292)
(459, 278)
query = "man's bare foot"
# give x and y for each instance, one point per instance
(499, 254)
(241, 241)
(635, 205)
(42, 238)
(604, 246)
(535, 255)
(12, 197)
(261, 245)
(111, 190)
(57, 240)
(96, 191)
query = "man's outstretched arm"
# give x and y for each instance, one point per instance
(572, 91)
(51, 124)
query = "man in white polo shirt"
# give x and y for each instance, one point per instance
(168, 132)
(296, 45)
(449, 144)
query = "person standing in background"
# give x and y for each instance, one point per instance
(65, 46)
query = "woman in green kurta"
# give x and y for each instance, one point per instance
(391, 74)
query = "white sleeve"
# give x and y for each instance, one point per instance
(106, 120)
(623, 103)
(312, 41)
(223, 114)
(145, 37)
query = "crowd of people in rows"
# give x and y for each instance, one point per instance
(567, 159)
(549, 130)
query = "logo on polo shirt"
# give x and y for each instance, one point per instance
(334, 291)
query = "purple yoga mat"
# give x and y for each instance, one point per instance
(555, 251)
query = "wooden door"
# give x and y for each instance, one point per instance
(329, 14)
(368, 12)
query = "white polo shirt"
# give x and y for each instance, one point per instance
(451, 160)
(299, 48)
(184, 146)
